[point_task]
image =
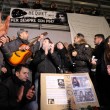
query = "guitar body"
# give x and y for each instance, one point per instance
(19, 57)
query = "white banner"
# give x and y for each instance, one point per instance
(87, 25)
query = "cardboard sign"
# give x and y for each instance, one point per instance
(63, 91)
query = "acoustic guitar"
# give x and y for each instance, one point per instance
(20, 56)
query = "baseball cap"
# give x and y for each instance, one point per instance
(20, 31)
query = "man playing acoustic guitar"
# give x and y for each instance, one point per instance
(18, 47)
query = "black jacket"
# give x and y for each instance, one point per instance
(45, 63)
(84, 53)
(64, 59)
(98, 52)
(8, 93)
(3, 64)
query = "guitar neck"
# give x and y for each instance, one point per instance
(36, 39)
(30, 44)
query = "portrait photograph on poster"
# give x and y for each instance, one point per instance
(82, 89)
(80, 81)
(84, 95)
(61, 83)
(50, 101)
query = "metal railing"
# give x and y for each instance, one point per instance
(102, 5)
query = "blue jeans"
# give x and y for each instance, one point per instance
(31, 106)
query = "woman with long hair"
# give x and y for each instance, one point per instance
(81, 54)
(65, 58)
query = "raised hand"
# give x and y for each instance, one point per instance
(3, 39)
(41, 37)
(4, 70)
(20, 93)
(30, 93)
(4, 26)
(51, 48)
(24, 47)
(108, 69)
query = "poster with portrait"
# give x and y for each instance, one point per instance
(83, 92)
(59, 90)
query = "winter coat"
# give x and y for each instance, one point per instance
(8, 93)
(98, 52)
(45, 63)
(2, 64)
(82, 60)
(65, 60)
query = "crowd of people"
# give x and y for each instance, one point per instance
(38, 5)
(54, 7)
(17, 92)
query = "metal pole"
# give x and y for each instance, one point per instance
(99, 6)
(72, 5)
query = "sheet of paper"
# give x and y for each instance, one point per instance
(55, 89)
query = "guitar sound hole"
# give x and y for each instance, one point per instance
(17, 54)
(23, 50)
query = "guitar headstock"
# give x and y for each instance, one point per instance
(44, 33)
